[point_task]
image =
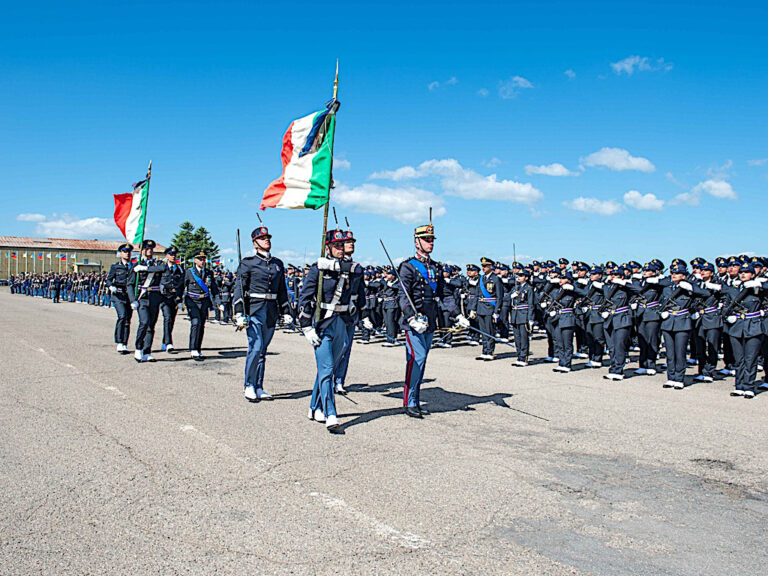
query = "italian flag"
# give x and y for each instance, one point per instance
(307, 158)
(131, 212)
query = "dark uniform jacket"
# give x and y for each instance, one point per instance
(194, 290)
(337, 291)
(490, 295)
(148, 280)
(749, 319)
(521, 304)
(172, 282)
(679, 303)
(260, 284)
(424, 282)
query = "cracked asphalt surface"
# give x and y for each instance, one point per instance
(109, 467)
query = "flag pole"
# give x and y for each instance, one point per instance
(327, 206)
(146, 211)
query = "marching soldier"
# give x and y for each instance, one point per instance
(615, 311)
(709, 327)
(260, 294)
(564, 320)
(591, 304)
(649, 321)
(491, 293)
(521, 309)
(200, 292)
(144, 293)
(328, 334)
(340, 375)
(391, 308)
(118, 282)
(470, 298)
(421, 286)
(172, 290)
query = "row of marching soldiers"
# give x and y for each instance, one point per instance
(701, 315)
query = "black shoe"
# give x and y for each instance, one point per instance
(413, 412)
(424, 411)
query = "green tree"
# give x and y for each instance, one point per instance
(201, 240)
(183, 240)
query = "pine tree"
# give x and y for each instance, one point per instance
(183, 240)
(201, 240)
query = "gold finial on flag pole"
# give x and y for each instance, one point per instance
(336, 81)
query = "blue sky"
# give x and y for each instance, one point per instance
(589, 130)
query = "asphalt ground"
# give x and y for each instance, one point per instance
(111, 467)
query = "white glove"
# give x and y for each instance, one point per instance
(495, 317)
(731, 319)
(221, 307)
(287, 319)
(139, 268)
(112, 289)
(598, 285)
(652, 279)
(553, 280)
(713, 286)
(515, 294)
(567, 286)
(686, 286)
(619, 281)
(530, 326)
(311, 335)
(462, 321)
(241, 321)
(543, 304)
(328, 264)
(418, 325)
(633, 306)
(367, 324)
(664, 315)
(472, 314)
(553, 314)
(751, 284)
(135, 305)
(697, 276)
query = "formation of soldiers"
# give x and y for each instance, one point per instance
(712, 316)
(84, 287)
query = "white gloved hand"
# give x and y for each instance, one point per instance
(472, 314)
(543, 304)
(686, 286)
(328, 264)
(221, 307)
(652, 279)
(241, 321)
(311, 335)
(135, 305)
(462, 321)
(567, 287)
(553, 314)
(620, 281)
(554, 280)
(418, 325)
(515, 294)
(495, 317)
(367, 324)
(664, 315)
(530, 326)
(751, 284)
(598, 285)
(112, 289)
(731, 319)
(287, 319)
(140, 268)
(713, 286)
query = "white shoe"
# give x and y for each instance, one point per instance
(194, 353)
(485, 357)
(679, 385)
(521, 363)
(580, 355)
(147, 358)
(120, 348)
(331, 423)
(340, 389)
(612, 376)
(668, 384)
(474, 343)
(311, 414)
(261, 395)
(319, 416)
(641, 371)
(250, 394)
(138, 355)
(389, 344)
(169, 348)
(749, 394)
(737, 392)
(561, 369)
(650, 371)
(504, 339)
(707, 379)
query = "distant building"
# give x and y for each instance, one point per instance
(20, 254)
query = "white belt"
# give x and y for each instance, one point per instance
(263, 295)
(334, 308)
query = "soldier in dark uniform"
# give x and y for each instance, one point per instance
(328, 330)
(172, 289)
(470, 298)
(421, 286)
(340, 375)
(648, 319)
(591, 302)
(521, 310)
(200, 292)
(390, 306)
(508, 282)
(372, 286)
(491, 293)
(676, 321)
(709, 328)
(744, 323)
(118, 282)
(450, 302)
(225, 297)
(144, 293)
(563, 317)
(617, 292)
(260, 295)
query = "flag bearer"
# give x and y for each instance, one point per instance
(259, 295)
(328, 334)
(145, 296)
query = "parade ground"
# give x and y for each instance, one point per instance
(112, 467)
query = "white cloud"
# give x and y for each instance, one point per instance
(618, 159)
(631, 64)
(456, 180)
(227, 251)
(509, 89)
(406, 204)
(291, 256)
(594, 206)
(555, 169)
(66, 226)
(30, 217)
(640, 201)
(570, 73)
(452, 81)
(433, 85)
(687, 198)
(492, 163)
(675, 181)
(716, 188)
(757, 162)
(483, 92)
(341, 164)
